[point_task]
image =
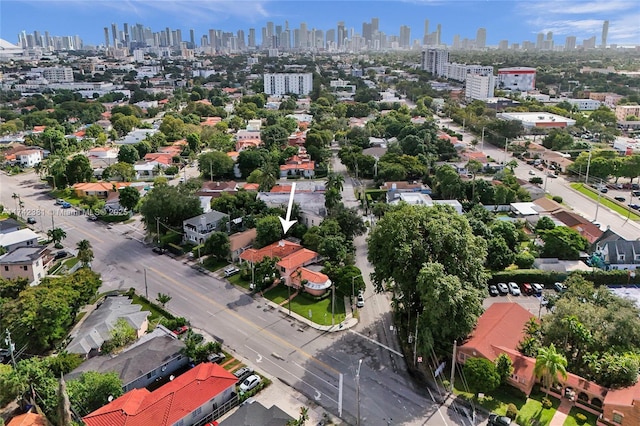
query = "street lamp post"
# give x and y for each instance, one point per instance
(358, 393)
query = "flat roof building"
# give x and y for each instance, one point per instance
(538, 119)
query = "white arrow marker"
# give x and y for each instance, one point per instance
(317, 395)
(287, 223)
(259, 358)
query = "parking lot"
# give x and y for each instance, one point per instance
(632, 293)
(530, 303)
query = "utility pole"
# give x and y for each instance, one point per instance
(333, 304)
(482, 141)
(586, 176)
(158, 229)
(506, 145)
(358, 392)
(146, 289)
(415, 342)
(11, 346)
(453, 365)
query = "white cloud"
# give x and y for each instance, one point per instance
(601, 8)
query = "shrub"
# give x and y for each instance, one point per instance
(557, 198)
(581, 418)
(546, 403)
(512, 411)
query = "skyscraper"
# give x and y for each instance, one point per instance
(425, 37)
(405, 37)
(192, 39)
(304, 36)
(126, 34)
(605, 34)
(540, 41)
(342, 34)
(375, 25)
(106, 37)
(570, 43)
(481, 38)
(114, 34)
(252, 38)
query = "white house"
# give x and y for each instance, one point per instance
(145, 169)
(25, 262)
(29, 157)
(198, 228)
(20, 238)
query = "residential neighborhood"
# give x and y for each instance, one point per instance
(349, 234)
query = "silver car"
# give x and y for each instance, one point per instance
(514, 289)
(250, 383)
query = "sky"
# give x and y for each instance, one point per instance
(512, 20)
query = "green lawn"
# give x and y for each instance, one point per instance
(571, 420)
(533, 410)
(318, 311)
(239, 281)
(70, 263)
(155, 316)
(604, 201)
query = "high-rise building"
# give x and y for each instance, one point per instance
(126, 37)
(478, 86)
(281, 83)
(252, 38)
(540, 41)
(304, 36)
(106, 37)
(375, 25)
(114, 34)
(425, 37)
(481, 38)
(342, 34)
(405, 37)
(367, 31)
(435, 61)
(439, 35)
(589, 43)
(503, 45)
(570, 43)
(605, 34)
(192, 38)
(330, 37)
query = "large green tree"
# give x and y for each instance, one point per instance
(481, 375)
(93, 390)
(128, 154)
(170, 206)
(563, 242)
(215, 165)
(268, 230)
(78, 169)
(407, 238)
(217, 245)
(129, 197)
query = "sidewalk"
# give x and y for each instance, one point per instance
(561, 414)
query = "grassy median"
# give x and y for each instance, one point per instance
(605, 201)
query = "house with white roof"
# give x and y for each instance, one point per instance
(20, 238)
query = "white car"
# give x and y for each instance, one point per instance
(514, 289)
(250, 383)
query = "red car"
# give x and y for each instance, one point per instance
(180, 330)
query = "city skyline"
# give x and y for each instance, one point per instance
(580, 19)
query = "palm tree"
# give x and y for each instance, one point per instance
(56, 235)
(267, 178)
(550, 363)
(335, 180)
(15, 197)
(85, 252)
(163, 299)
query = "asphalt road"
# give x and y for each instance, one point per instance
(310, 361)
(579, 203)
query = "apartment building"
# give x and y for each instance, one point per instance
(623, 111)
(55, 74)
(479, 86)
(519, 79)
(279, 84)
(459, 72)
(435, 61)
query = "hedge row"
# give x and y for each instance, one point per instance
(597, 276)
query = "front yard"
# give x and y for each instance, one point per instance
(529, 409)
(316, 310)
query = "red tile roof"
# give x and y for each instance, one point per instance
(251, 186)
(280, 249)
(626, 396)
(28, 419)
(501, 325)
(297, 259)
(167, 404)
(309, 275)
(164, 158)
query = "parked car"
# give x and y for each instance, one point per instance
(181, 330)
(216, 358)
(621, 199)
(635, 206)
(496, 420)
(92, 217)
(159, 250)
(514, 289)
(527, 289)
(532, 173)
(603, 189)
(243, 373)
(60, 255)
(360, 300)
(493, 290)
(65, 205)
(59, 201)
(537, 289)
(636, 193)
(230, 270)
(559, 287)
(250, 383)
(31, 220)
(552, 175)
(503, 289)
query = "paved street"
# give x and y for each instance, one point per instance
(308, 360)
(580, 204)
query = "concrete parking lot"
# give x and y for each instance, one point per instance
(531, 303)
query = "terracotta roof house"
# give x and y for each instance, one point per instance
(201, 394)
(298, 165)
(293, 259)
(499, 330)
(622, 406)
(99, 189)
(210, 121)
(244, 144)
(251, 186)
(216, 189)
(28, 419)
(580, 224)
(546, 205)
